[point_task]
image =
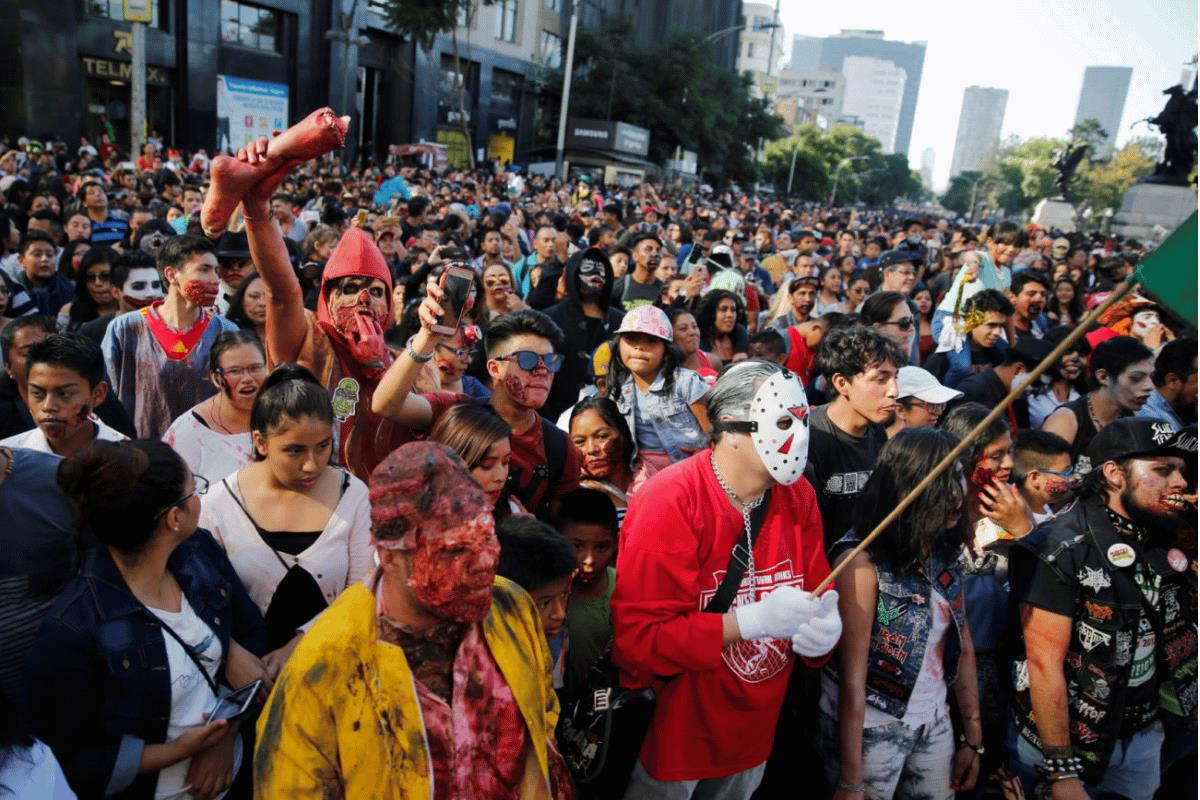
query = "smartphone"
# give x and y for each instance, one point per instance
(233, 706)
(456, 286)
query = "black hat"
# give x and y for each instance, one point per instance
(1140, 437)
(233, 245)
(894, 258)
(1030, 350)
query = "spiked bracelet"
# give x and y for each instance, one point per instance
(1072, 765)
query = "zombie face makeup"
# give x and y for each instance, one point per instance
(196, 280)
(354, 296)
(1131, 389)
(528, 388)
(1152, 490)
(451, 571)
(61, 401)
(598, 442)
(142, 287)
(591, 273)
(1144, 321)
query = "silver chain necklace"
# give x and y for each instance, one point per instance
(746, 508)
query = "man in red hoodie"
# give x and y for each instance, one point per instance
(342, 343)
(720, 669)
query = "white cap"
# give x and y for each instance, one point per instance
(919, 383)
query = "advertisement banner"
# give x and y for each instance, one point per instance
(248, 109)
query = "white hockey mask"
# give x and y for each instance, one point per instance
(778, 426)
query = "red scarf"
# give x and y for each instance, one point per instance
(176, 344)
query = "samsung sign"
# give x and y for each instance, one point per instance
(595, 134)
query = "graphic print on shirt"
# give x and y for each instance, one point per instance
(847, 482)
(760, 659)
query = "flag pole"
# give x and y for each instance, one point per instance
(1049, 361)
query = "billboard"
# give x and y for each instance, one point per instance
(248, 109)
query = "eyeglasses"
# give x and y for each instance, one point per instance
(234, 373)
(933, 409)
(497, 282)
(903, 324)
(529, 360)
(461, 352)
(201, 488)
(1065, 475)
(99, 277)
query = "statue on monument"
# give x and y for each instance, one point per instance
(1177, 121)
(1065, 165)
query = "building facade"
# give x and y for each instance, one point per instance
(810, 95)
(874, 95)
(760, 47)
(979, 124)
(831, 52)
(1102, 98)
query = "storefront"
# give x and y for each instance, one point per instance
(107, 93)
(616, 149)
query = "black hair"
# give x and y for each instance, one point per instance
(418, 205)
(878, 307)
(34, 321)
(1006, 232)
(921, 530)
(1031, 448)
(237, 303)
(1074, 308)
(1114, 356)
(516, 323)
(72, 351)
(156, 226)
(612, 416)
(35, 236)
(770, 338)
(1029, 276)
(1177, 358)
(289, 392)
(228, 339)
(850, 351)
(67, 254)
(618, 373)
(989, 300)
(176, 250)
(962, 419)
(586, 507)
(706, 312)
(121, 489)
(533, 554)
(83, 307)
(129, 261)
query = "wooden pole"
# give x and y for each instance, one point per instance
(995, 414)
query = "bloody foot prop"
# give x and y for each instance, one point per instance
(314, 136)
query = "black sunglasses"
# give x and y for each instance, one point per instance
(905, 324)
(529, 360)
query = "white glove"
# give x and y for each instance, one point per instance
(779, 615)
(820, 633)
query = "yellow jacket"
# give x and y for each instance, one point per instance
(344, 719)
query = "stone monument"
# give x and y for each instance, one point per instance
(1158, 203)
(1058, 212)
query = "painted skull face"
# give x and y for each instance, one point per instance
(591, 276)
(1144, 321)
(452, 570)
(142, 287)
(780, 409)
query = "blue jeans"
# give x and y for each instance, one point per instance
(739, 786)
(1133, 768)
(898, 761)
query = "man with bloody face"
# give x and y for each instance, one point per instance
(342, 343)
(431, 677)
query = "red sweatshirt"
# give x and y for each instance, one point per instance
(716, 712)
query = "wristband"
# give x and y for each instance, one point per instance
(1067, 765)
(852, 787)
(962, 742)
(415, 356)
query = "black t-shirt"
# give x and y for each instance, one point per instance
(841, 465)
(628, 294)
(938, 364)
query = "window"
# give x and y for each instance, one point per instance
(551, 50)
(250, 26)
(506, 20)
(749, 49)
(115, 10)
(553, 5)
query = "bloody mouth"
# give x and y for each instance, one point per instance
(1178, 502)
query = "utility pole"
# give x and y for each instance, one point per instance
(346, 33)
(139, 13)
(559, 166)
(792, 170)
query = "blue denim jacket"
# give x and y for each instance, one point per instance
(99, 683)
(901, 628)
(668, 414)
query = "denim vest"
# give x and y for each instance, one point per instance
(1108, 605)
(668, 414)
(900, 632)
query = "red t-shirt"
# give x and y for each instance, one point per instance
(800, 358)
(529, 453)
(717, 711)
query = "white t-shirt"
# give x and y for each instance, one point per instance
(34, 439)
(191, 696)
(35, 773)
(207, 452)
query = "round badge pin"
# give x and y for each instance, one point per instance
(1121, 555)
(1177, 559)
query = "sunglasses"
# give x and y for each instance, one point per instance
(529, 360)
(905, 324)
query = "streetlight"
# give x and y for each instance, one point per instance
(559, 166)
(838, 172)
(766, 26)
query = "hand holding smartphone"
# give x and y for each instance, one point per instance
(456, 285)
(235, 705)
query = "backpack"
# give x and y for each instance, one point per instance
(554, 441)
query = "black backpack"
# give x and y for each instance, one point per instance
(555, 443)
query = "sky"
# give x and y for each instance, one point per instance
(1037, 49)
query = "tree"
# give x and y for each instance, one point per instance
(957, 196)
(862, 170)
(1091, 133)
(423, 20)
(1104, 183)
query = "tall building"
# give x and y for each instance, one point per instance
(830, 53)
(653, 22)
(979, 125)
(926, 170)
(1102, 98)
(810, 95)
(760, 47)
(874, 94)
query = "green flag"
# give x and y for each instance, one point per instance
(1169, 273)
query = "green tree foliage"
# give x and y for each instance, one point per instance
(863, 172)
(423, 20)
(675, 91)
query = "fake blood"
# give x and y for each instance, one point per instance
(202, 293)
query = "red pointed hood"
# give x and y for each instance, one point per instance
(356, 254)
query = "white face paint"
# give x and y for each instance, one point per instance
(1143, 321)
(780, 408)
(142, 287)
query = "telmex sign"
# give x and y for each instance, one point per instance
(598, 134)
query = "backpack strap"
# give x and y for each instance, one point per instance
(554, 442)
(738, 562)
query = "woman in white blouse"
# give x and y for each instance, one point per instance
(213, 437)
(297, 530)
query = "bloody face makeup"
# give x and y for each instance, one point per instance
(451, 571)
(60, 401)
(598, 442)
(528, 388)
(357, 295)
(142, 287)
(1153, 489)
(197, 279)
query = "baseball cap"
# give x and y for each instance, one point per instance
(601, 360)
(920, 383)
(750, 251)
(650, 320)
(1139, 437)
(893, 258)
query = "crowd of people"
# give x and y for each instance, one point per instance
(565, 538)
